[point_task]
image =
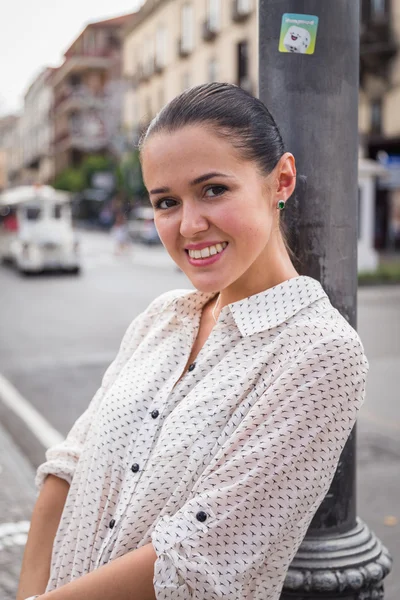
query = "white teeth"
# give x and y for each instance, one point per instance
(209, 251)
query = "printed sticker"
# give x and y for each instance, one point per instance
(298, 33)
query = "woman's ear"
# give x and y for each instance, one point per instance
(285, 176)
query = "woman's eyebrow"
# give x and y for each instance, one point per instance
(207, 176)
(201, 179)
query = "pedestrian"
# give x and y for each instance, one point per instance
(216, 432)
(120, 233)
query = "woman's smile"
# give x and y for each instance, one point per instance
(205, 253)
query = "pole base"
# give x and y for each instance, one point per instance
(350, 565)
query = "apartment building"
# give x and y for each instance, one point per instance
(36, 126)
(379, 113)
(11, 152)
(88, 94)
(175, 44)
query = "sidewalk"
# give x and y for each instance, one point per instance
(17, 496)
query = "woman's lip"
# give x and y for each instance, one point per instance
(202, 245)
(205, 262)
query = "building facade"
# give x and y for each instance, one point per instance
(11, 151)
(88, 94)
(37, 129)
(379, 113)
(175, 44)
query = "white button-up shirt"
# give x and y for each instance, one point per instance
(224, 470)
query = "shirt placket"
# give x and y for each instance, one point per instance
(142, 448)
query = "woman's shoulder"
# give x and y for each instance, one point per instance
(323, 327)
(166, 300)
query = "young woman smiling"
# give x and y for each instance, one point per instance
(216, 432)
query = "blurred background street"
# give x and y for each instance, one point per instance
(59, 333)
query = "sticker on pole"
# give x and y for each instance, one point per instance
(298, 33)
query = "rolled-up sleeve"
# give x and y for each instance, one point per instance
(237, 535)
(61, 459)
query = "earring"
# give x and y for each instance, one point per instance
(281, 204)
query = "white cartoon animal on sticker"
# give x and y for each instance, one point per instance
(297, 39)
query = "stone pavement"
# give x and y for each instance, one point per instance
(17, 496)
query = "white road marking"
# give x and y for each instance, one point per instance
(39, 426)
(13, 534)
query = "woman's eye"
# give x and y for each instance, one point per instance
(215, 190)
(164, 203)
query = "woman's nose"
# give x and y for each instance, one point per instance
(192, 221)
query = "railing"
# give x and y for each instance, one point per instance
(183, 48)
(210, 30)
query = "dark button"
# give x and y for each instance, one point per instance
(135, 468)
(155, 414)
(111, 523)
(201, 516)
(191, 367)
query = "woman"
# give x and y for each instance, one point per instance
(214, 437)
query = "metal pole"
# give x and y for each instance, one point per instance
(308, 78)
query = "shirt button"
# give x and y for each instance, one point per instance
(135, 468)
(111, 523)
(201, 516)
(155, 414)
(191, 367)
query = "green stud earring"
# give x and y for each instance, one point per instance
(281, 204)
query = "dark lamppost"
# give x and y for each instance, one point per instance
(309, 75)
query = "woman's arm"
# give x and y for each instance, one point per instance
(129, 577)
(46, 516)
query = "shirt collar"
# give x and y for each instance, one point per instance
(262, 311)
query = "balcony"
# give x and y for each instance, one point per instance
(79, 64)
(241, 10)
(210, 30)
(183, 48)
(85, 131)
(377, 46)
(159, 65)
(77, 98)
(145, 70)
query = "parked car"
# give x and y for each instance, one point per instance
(42, 237)
(141, 225)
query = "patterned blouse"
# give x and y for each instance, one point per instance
(223, 469)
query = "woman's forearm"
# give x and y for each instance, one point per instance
(45, 519)
(129, 577)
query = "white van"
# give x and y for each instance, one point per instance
(42, 237)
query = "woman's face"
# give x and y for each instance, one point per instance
(214, 211)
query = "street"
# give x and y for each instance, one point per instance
(59, 333)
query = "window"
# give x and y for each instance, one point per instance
(212, 70)
(378, 8)
(244, 6)
(187, 40)
(161, 46)
(32, 213)
(57, 211)
(214, 14)
(243, 64)
(376, 116)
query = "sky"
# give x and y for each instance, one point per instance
(35, 34)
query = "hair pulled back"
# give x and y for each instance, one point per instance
(232, 113)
